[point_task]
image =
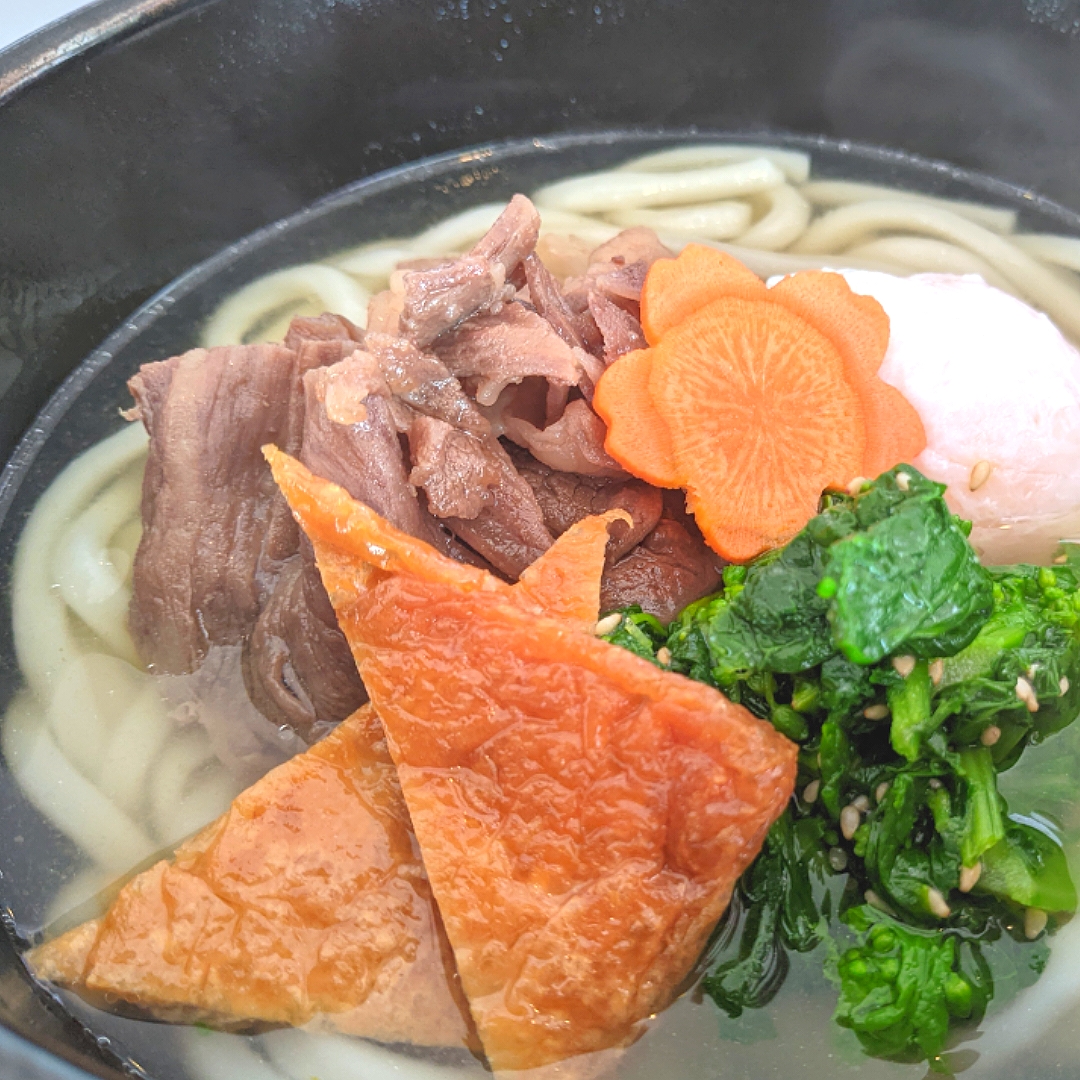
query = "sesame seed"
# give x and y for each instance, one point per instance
(903, 665)
(969, 876)
(608, 623)
(1035, 920)
(903, 481)
(990, 735)
(1031, 670)
(881, 790)
(810, 792)
(937, 671)
(935, 784)
(875, 901)
(1063, 686)
(838, 859)
(663, 655)
(876, 712)
(856, 485)
(980, 473)
(862, 803)
(1061, 560)
(935, 901)
(1026, 693)
(850, 819)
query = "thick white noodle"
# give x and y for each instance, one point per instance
(44, 638)
(301, 1055)
(214, 1055)
(1040, 285)
(456, 233)
(331, 290)
(91, 572)
(923, 255)
(191, 788)
(374, 263)
(845, 192)
(708, 221)
(783, 224)
(794, 164)
(607, 191)
(768, 264)
(66, 798)
(1059, 250)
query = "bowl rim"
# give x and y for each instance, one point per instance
(29, 58)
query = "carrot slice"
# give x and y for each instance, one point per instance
(582, 815)
(565, 581)
(859, 328)
(676, 288)
(637, 433)
(762, 420)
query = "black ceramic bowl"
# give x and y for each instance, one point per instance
(139, 137)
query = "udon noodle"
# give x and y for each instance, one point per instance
(97, 744)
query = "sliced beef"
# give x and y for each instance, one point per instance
(298, 667)
(636, 245)
(425, 383)
(473, 486)
(384, 312)
(512, 237)
(573, 444)
(215, 528)
(439, 299)
(364, 456)
(495, 350)
(566, 498)
(327, 327)
(576, 328)
(620, 330)
(617, 269)
(669, 569)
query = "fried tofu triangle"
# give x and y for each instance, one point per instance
(582, 814)
(305, 903)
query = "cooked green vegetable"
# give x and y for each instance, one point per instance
(900, 988)
(911, 677)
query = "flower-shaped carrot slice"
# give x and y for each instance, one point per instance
(762, 419)
(636, 431)
(859, 328)
(676, 288)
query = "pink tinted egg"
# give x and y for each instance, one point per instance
(998, 388)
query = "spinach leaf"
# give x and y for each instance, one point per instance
(907, 578)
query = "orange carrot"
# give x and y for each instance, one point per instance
(676, 288)
(762, 420)
(859, 328)
(637, 433)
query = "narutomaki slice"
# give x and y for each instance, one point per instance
(306, 902)
(582, 814)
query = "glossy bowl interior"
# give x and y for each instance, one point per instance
(142, 138)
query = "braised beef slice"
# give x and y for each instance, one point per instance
(365, 457)
(438, 299)
(298, 668)
(621, 331)
(425, 383)
(326, 327)
(566, 498)
(577, 328)
(215, 528)
(669, 569)
(495, 350)
(473, 486)
(573, 444)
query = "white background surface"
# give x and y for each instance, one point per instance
(21, 17)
